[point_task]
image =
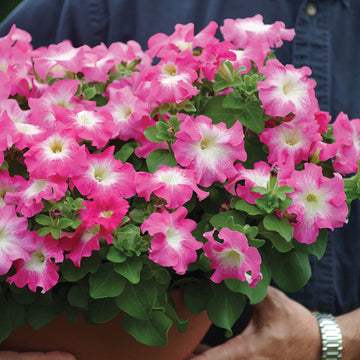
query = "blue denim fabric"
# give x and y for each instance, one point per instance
(328, 42)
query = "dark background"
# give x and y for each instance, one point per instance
(6, 6)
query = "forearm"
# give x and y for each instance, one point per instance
(350, 330)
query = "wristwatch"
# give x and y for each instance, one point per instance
(330, 336)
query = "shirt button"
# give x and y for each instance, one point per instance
(311, 9)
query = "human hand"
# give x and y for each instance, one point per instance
(280, 328)
(52, 355)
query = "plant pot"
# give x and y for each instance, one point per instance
(108, 341)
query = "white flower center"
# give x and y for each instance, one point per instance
(86, 118)
(35, 187)
(171, 177)
(103, 174)
(230, 258)
(183, 45)
(37, 261)
(27, 129)
(106, 214)
(173, 237)
(123, 112)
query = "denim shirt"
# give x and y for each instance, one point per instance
(327, 40)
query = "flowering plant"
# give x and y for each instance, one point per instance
(198, 163)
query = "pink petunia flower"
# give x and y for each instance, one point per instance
(253, 30)
(173, 244)
(55, 156)
(15, 239)
(209, 150)
(94, 125)
(5, 87)
(9, 184)
(287, 90)
(40, 270)
(175, 185)
(107, 211)
(318, 202)
(234, 258)
(171, 80)
(130, 114)
(290, 141)
(57, 58)
(183, 38)
(213, 56)
(347, 132)
(83, 241)
(28, 200)
(258, 176)
(105, 175)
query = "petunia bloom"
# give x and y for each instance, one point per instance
(318, 202)
(15, 239)
(234, 258)
(209, 150)
(287, 90)
(175, 185)
(40, 270)
(173, 244)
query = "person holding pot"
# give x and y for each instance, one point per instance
(282, 325)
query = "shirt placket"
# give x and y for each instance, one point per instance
(312, 48)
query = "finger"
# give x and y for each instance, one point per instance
(52, 355)
(201, 349)
(9, 355)
(234, 349)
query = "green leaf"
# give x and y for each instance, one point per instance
(4, 166)
(160, 157)
(215, 111)
(102, 310)
(242, 205)
(64, 223)
(220, 220)
(281, 226)
(23, 295)
(39, 315)
(106, 282)
(130, 269)
(89, 93)
(181, 324)
(252, 116)
(290, 271)
(317, 248)
(277, 241)
(73, 273)
(138, 300)
(225, 307)
(115, 256)
(55, 233)
(5, 324)
(17, 314)
(255, 294)
(78, 296)
(152, 134)
(196, 297)
(149, 332)
(43, 219)
(44, 231)
(234, 100)
(268, 203)
(126, 151)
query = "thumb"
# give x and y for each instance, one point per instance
(234, 349)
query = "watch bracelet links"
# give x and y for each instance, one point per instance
(330, 336)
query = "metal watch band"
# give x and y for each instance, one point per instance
(330, 336)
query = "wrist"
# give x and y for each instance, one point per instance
(330, 336)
